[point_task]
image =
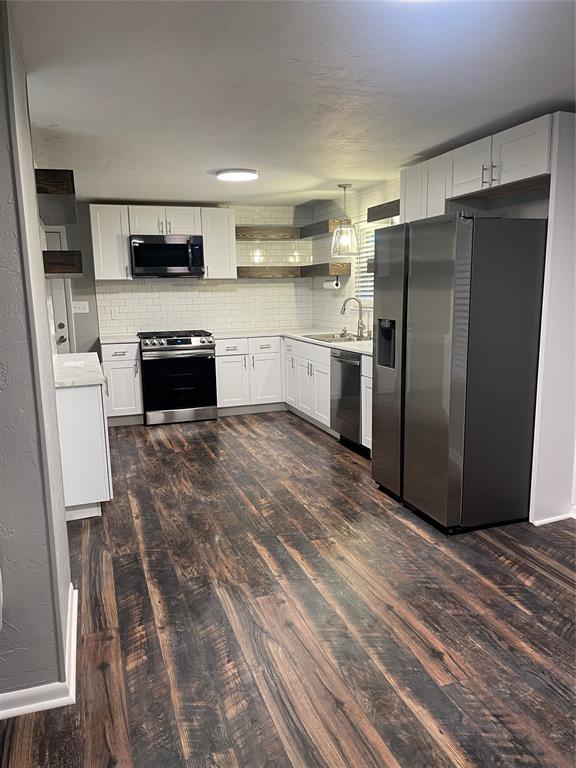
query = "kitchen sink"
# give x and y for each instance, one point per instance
(334, 338)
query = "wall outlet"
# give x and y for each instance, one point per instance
(80, 307)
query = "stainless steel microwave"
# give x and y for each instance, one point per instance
(167, 255)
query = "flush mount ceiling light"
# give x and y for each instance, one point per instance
(344, 237)
(237, 174)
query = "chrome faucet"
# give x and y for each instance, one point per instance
(361, 326)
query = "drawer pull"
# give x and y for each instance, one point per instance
(235, 346)
(265, 346)
(119, 354)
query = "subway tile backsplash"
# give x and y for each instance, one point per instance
(222, 305)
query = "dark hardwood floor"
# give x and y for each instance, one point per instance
(250, 600)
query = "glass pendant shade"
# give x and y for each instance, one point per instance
(344, 240)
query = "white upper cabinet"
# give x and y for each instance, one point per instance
(471, 167)
(219, 233)
(110, 231)
(411, 197)
(265, 378)
(181, 220)
(147, 219)
(435, 185)
(521, 152)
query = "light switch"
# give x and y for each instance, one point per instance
(80, 307)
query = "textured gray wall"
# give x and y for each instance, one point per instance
(33, 540)
(79, 237)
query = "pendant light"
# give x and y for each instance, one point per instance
(344, 237)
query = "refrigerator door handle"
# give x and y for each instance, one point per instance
(386, 352)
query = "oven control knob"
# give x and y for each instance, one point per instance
(202, 340)
(162, 341)
(154, 342)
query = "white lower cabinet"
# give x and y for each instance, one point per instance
(265, 378)
(291, 380)
(305, 401)
(121, 365)
(84, 450)
(366, 387)
(321, 377)
(232, 381)
(248, 379)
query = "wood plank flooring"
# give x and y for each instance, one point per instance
(250, 599)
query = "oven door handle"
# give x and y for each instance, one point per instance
(177, 354)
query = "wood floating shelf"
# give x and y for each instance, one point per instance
(269, 272)
(62, 263)
(317, 229)
(326, 269)
(325, 227)
(383, 211)
(253, 233)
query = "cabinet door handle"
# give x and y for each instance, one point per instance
(292, 362)
(493, 179)
(484, 168)
(169, 227)
(136, 369)
(126, 268)
(161, 226)
(244, 362)
(253, 362)
(106, 389)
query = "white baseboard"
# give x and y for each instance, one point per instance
(59, 694)
(81, 511)
(556, 518)
(246, 410)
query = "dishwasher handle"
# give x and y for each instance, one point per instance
(344, 360)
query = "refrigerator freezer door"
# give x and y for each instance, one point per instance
(387, 392)
(436, 352)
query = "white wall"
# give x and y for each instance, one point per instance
(554, 444)
(33, 542)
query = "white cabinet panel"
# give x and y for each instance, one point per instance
(265, 378)
(321, 380)
(305, 387)
(366, 385)
(291, 380)
(471, 167)
(147, 219)
(521, 152)
(182, 220)
(367, 366)
(232, 381)
(110, 231)
(231, 347)
(120, 351)
(264, 344)
(219, 233)
(83, 445)
(435, 177)
(411, 194)
(124, 387)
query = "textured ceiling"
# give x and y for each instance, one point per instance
(142, 98)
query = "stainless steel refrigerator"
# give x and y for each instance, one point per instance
(457, 305)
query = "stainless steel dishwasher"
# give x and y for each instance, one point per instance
(345, 400)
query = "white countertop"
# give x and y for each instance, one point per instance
(363, 347)
(123, 338)
(80, 369)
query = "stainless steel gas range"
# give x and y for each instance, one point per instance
(178, 376)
